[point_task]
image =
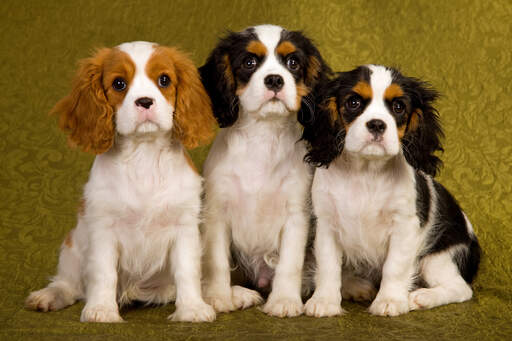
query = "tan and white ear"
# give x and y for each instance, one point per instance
(193, 117)
(85, 113)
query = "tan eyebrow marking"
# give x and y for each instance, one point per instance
(363, 89)
(285, 48)
(228, 73)
(393, 91)
(333, 109)
(257, 47)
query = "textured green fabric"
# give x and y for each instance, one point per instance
(464, 48)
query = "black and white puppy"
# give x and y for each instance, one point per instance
(382, 218)
(262, 81)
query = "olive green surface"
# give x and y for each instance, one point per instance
(464, 48)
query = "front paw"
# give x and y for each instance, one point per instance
(199, 312)
(222, 302)
(389, 306)
(100, 313)
(244, 298)
(283, 307)
(322, 307)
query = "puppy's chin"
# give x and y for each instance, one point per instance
(141, 129)
(373, 151)
(147, 128)
(273, 108)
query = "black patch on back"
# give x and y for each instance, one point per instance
(449, 230)
(422, 198)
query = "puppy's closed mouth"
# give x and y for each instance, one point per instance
(147, 127)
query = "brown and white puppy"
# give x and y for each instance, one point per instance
(262, 82)
(137, 106)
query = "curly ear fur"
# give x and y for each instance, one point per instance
(316, 77)
(324, 133)
(423, 134)
(219, 81)
(193, 117)
(85, 113)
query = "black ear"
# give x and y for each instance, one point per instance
(219, 81)
(317, 74)
(423, 133)
(324, 131)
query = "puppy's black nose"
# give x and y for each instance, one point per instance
(274, 82)
(145, 102)
(376, 126)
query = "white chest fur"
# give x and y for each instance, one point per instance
(145, 193)
(364, 205)
(255, 171)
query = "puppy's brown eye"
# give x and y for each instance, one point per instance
(119, 84)
(164, 81)
(292, 63)
(398, 106)
(250, 63)
(353, 103)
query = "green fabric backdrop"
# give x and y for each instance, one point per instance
(462, 47)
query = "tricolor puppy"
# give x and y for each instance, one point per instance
(261, 81)
(382, 218)
(137, 106)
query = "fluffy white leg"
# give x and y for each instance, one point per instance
(398, 270)
(186, 267)
(285, 298)
(65, 288)
(101, 276)
(445, 283)
(218, 291)
(326, 300)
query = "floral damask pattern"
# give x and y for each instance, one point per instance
(463, 48)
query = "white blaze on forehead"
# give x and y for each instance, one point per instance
(380, 79)
(269, 35)
(139, 51)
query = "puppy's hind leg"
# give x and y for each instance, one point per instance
(65, 288)
(445, 282)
